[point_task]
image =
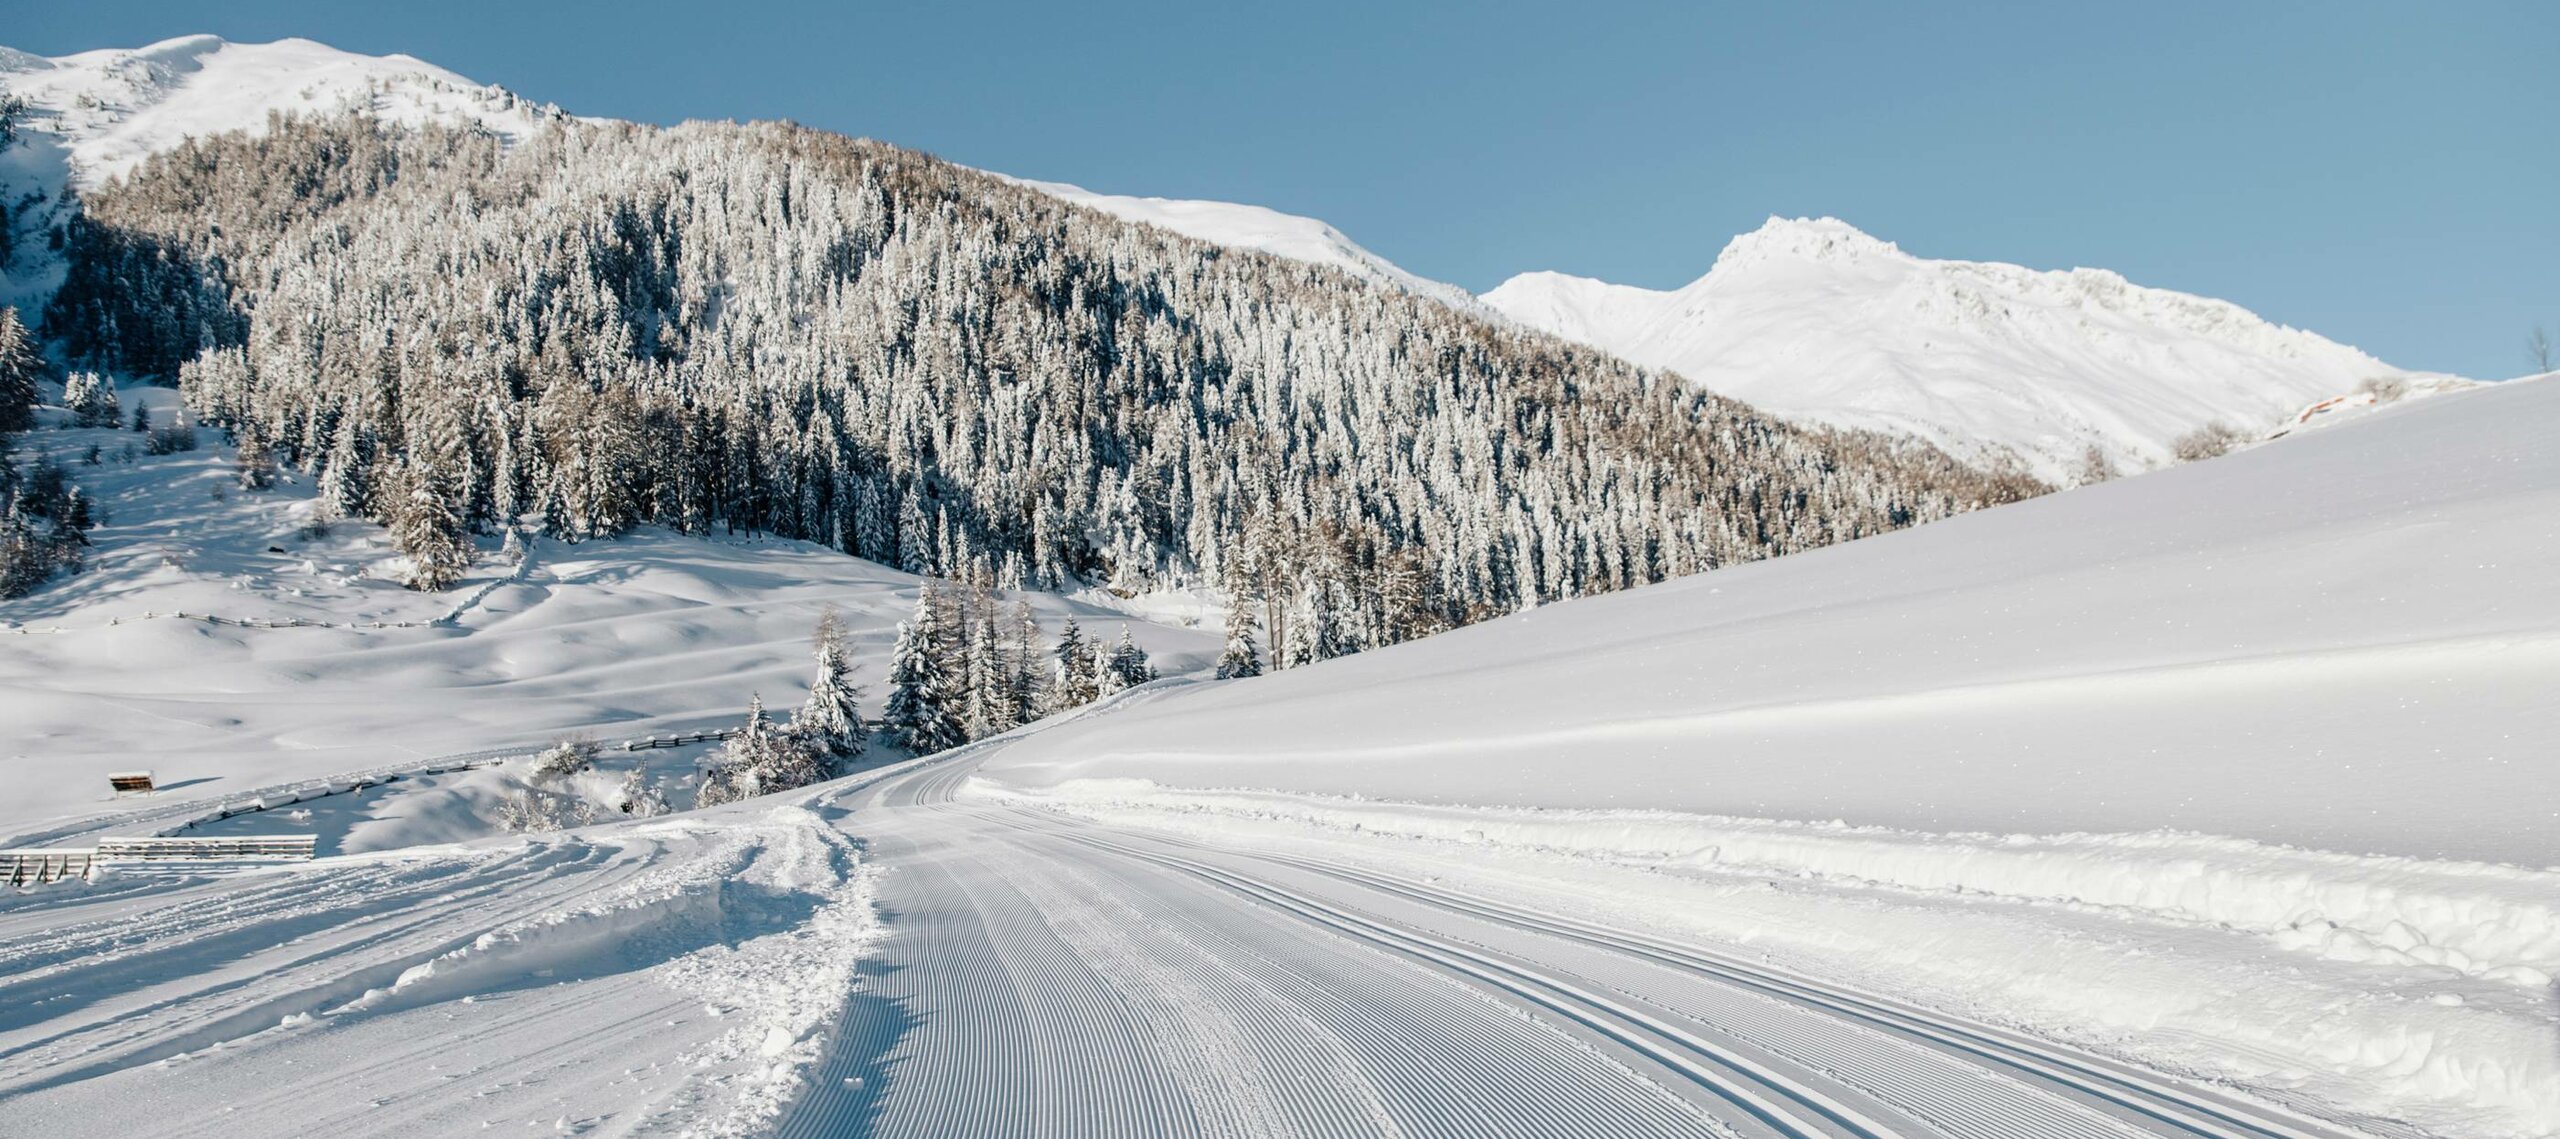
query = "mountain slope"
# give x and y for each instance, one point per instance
(97, 114)
(1238, 226)
(1817, 321)
(2237, 766)
(111, 109)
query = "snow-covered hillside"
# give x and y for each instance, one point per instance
(653, 632)
(1815, 320)
(96, 114)
(1238, 226)
(111, 109)
(1808, 319)
(2242, 767)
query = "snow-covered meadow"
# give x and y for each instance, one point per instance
(652, 633)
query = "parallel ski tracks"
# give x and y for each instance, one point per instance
(1605, 985)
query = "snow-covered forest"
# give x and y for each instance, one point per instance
(770, 329)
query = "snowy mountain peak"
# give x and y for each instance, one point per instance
(1816, 320)
(1239, 226)
(105, 111)
(1803, 239)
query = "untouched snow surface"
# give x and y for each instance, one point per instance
(2242, 768)
(1816, 320)
(111, 109)
(655, 632)
(1258, 228)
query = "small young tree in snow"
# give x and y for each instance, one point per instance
(2537, 348)
(142, 418)
(91, 400)
(563, 759)
(1241, 657)
(831, 717)
(640, 796)
(760, 760)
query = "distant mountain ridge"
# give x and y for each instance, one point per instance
(1809, 318)
(1814, 320)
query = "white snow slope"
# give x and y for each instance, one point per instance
(654, 632)
(1239, 226)
(2242, 768)
(1816, 320)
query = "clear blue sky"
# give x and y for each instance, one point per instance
(2388, 175)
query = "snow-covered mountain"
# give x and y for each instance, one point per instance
(96, 114)
(1239, 226)
(1815, 320)
(108, 110)
(1808, 319)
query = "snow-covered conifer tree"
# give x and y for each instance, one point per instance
(1241, 657)
(919, 715)
(831, 717)
(20, 368)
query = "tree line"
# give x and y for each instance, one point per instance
(770, 329)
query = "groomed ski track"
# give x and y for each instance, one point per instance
(1045, 976)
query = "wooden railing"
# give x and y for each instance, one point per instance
(43, 867)
(294, 847)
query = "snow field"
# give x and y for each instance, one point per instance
(2236, 770)
(653, 632)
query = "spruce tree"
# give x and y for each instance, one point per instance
(831, 717)
(20, 368)
(919, 715)
(427, 527)
(1073, 686)
(1240, 658)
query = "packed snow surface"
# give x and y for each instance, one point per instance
(1816, 320)
(2241, 768)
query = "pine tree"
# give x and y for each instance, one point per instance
(1023, 695)
(20, 368)
(427, 527)
(1073, 686)
(91, 400)
(1129, 662)
(831, 717)
(1241, 658)
(1107, 678)
(919, 715)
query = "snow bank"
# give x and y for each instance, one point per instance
(2496, 923)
